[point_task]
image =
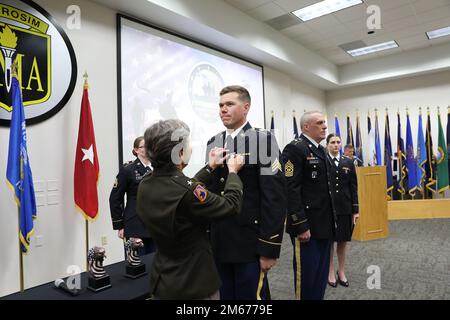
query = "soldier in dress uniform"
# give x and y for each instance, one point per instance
(345, 198)
(349, 152)
(124, 217)
(310, 215)
(177, 210)
(247, 246)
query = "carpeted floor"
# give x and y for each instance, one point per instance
(414, 263)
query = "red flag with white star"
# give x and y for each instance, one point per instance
(86, 162)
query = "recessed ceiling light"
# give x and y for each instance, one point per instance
(438, 33)
(373, 48)
(324, 7)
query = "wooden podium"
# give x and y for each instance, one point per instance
(373, 216)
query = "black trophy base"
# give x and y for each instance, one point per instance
(134, 272)
(99, 284)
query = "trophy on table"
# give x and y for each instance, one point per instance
(98, 279)
(134, 266)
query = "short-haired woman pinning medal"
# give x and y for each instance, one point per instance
(124, 217)
(345, 200)
(177, 210)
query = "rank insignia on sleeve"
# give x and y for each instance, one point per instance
(116, 183)
(276, 165)
(200, 193)
(289, 169)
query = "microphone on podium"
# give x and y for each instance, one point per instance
(59, 283)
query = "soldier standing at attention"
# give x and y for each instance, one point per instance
(248, 245)
(310, 215)
(124, 217)
(345, 198)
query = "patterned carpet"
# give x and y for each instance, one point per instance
(414, 263)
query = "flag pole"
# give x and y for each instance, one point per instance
(87, 243)
(21, 273)
(85, 76)
(20, 255)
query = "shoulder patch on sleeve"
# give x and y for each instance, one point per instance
(200, 193)
(116, 183)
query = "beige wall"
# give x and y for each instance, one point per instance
(283, 95)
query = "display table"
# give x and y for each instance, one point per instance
(122, 288)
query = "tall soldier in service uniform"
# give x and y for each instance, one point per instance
(247, 246)
(177, 210)
(345, 198)
(310, 215)
(125, 218)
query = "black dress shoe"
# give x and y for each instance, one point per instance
(333, 284)
(342, 283)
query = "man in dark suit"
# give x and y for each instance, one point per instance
(310, 215)
(349, 152)
(247, 246)
(344, 188)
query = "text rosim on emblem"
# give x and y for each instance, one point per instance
(35, 44)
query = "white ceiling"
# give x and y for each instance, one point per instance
(325, 66)
(404, 21)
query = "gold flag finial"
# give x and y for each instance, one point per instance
(271, 112)
(85, 76)
(14, 68)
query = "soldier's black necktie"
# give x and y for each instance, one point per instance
(229, 143)
(336, 162)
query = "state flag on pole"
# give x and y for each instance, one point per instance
(18, 170)
(338, 131)
(358, 146)
(86, 163)
(401, 157)
(410, 159)
(421, 156)
(430, 168)
(350, 139)
(442, 160)
(272, 125)
(388, 154)
(294, 124)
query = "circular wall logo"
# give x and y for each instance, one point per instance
(204, 86)
(46, 65)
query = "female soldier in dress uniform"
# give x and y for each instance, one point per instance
(177, 211)
(125, 218)
(345, 198)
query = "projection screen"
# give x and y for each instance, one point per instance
(164, 76)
